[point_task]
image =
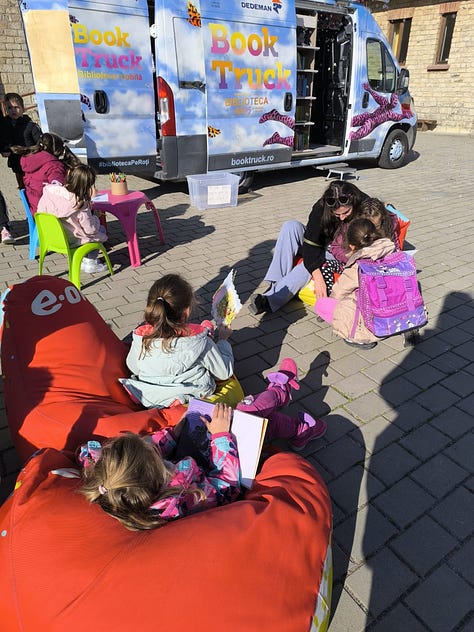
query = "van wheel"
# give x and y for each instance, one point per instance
(245, 181)
(394, 150)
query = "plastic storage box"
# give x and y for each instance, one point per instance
(212, 190)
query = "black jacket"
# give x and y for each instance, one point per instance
(23, 132)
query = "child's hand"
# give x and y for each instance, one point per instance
(209, 326)
(224, 332)
(221, 419)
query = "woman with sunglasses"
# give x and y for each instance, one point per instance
(320, 244)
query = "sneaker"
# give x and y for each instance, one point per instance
(6, 236)
(258, 304)
(360, 345)
(411, 338)
(290, 370)
(92, 265)
(309, 429)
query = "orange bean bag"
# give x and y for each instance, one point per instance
(261, 563)
(61, 363)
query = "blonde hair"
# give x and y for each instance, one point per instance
(127, 479)
(169, 302)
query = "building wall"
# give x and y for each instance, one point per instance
(443, 95)
(15, 69)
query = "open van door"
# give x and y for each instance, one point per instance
(93, 74)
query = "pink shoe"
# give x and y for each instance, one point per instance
(277, 393)
(285, 378)
(289, 369)
(309, 429)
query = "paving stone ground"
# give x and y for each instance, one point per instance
(397, 457)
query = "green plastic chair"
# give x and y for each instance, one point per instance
(53, 237)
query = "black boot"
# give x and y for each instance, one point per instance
(258, 304)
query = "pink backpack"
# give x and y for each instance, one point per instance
(389, 297)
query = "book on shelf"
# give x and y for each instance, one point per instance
(248, 430)
(301, 140)
(301, 86)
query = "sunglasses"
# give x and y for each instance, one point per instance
(342, 200)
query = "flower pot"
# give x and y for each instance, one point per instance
(118, 188)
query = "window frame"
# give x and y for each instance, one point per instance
(445, 37)
(400, 47)
(380, 85)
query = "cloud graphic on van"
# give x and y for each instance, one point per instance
(119, 137)
(131, 102)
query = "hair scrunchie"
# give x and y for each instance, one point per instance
(90, 453)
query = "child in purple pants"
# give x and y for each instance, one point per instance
(300, 430)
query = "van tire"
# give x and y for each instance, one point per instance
(394, 150)
(245, 181)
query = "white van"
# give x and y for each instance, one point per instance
(181, 88)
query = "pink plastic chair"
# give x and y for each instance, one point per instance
(125, 209)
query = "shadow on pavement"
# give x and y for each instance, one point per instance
(425, 508)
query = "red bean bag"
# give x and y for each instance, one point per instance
(61, 363)
(254, 565)
(261, 563)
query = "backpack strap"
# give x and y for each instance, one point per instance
(381, 284)
(409, 294)
(356, 315)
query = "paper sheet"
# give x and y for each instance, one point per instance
(249, 432)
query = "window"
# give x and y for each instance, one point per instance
(400, 34)
(445, 37)
(380, 67)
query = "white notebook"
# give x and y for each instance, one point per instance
(249, 432)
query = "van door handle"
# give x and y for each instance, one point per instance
(100, 102)
(288, 101)
(365, 100)
(196, 85)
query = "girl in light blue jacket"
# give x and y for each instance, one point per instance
(171, 359)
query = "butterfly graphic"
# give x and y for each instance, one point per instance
(212, 132)
(194, 15)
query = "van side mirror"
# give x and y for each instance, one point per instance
(403, 80)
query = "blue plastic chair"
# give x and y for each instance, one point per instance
(33, 231)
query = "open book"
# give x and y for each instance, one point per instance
(226, 302)
(248, 430)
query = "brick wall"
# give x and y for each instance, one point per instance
(443, 95)
(15, 69)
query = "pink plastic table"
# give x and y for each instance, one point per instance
(125, 209)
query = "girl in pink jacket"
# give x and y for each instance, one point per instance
(135, 479)
(72, 204)
(44, 163)
(364, 241)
